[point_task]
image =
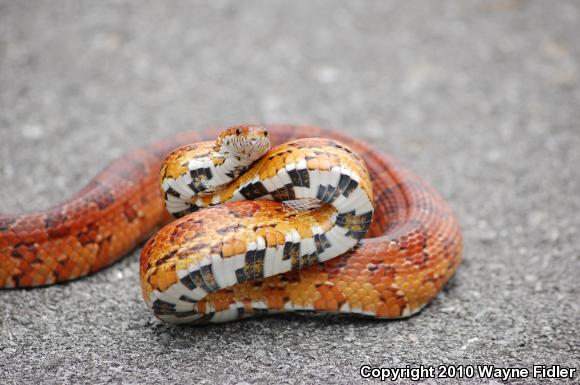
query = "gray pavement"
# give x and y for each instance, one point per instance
(481, 98)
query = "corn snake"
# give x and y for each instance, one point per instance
(413, 244)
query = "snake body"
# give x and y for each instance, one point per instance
(224, 262)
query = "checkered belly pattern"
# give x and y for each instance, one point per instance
(268, 242)
(302, 203)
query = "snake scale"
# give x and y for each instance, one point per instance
(320, 222)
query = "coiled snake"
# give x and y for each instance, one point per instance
(285, 231)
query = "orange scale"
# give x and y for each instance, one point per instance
(387, 295)
(271, 172)
(280, 238)
(312, 164)
(367, 286)
(263, 173)
(247, 306)
(305, 231)
(351, 273)
(27, 279)
(319, 304)
(353, 297)
(370, 307)
(381, 286)
(324, 163)
(274, 301)
(355, 285)
(279, 162)
(338, 296)
(327, 295)
(24, 265)
(220, 305)
(361, 292)
(270, 238)
(239, 247)
(355, 305)
(367, 299)
(37, 278)
(394, 311)
(362, 278)
(401, 301)
(375, 280)
(331, 305)
(392, 301)
(298, 302)
(311, 295)
(335, 161)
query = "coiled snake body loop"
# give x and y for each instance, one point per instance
(224, 262)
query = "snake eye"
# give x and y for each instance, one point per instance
(265, 133)
(238, 132)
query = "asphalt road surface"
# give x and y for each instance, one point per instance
(481, 98)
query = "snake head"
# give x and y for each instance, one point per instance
(246, 142)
